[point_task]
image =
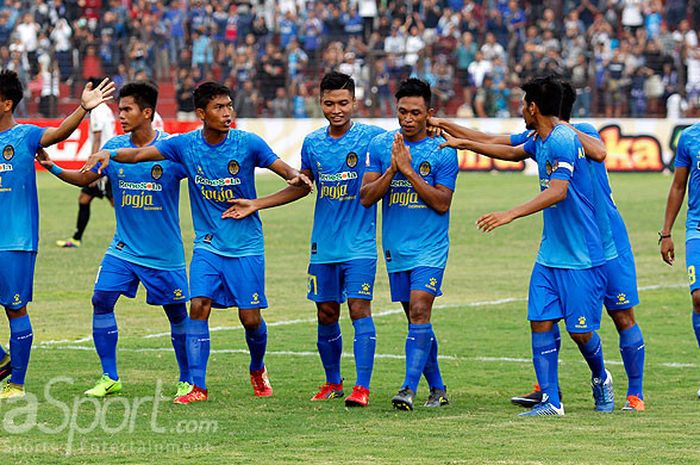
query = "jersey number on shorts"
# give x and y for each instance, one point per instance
(691, 274)
(312, 284)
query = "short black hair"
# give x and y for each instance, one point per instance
(144, 93)
(337, 81)
(414, 87)
(567, 100)
(207, 91)
(546, 92)
(11, 87)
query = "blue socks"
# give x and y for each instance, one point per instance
(177, 315)
(364, 345)
(104, 330)
(257, 343)
(592, 351)
(632, 350)
(545, 357)
(696, 326)
(432, 369)
(557, 336)
(21, 338)
(418, 345)
(198, 346)
(330, 347)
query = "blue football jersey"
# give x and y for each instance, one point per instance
(521, 137)
(217, 174)
(146, 206)
(414, 234)
(19, 204)
(570, 238)
(688, 156)
(616, 241)
(343, 229)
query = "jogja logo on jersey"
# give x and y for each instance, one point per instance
(141, 199)
(209, 188)
(403, 198)
(157, 172)
(8, 152)
(339, 190)
(351, 160)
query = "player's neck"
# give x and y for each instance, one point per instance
(143, 136)
(336, 132)
(7, 121)
(545, 125)
(417, 137)
(213, 137)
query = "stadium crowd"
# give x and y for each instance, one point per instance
(624, 57)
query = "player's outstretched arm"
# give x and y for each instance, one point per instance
(595, 148)
(555, 193)
(437, 197)
(75, 177)
(498, 151)
(465, 133)
(300, 185)
(90, 99)
(130, 155)
(673, 205)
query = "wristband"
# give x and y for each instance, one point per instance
(83, 107)
(55, 169)
(112, 153)
(663, 236)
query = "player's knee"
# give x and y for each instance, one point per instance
(13, 313)
(696, 301)
(419, 313)
(199, 309)
(581, 338)
(250, 319)
(359, 308)
(623, 319)
(84, 199)
(328, 313)
(103, 301)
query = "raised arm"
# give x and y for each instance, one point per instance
(90, 99)
(300, 185)
(555, 193)
(130, 155)
(498, 151)
(75, 177)
(465, 133)
(595, 148)
(673, 205)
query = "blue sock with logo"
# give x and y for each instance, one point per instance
(257, 344)
(592, 351)
(418, 344)
(632, 350)
(21, 338)
(557, 336)
(545, 357)
(432, 368)
(198, 347)
(364, 346)
(696, 326)
(104, 330)
(177, 315)
(330, 347)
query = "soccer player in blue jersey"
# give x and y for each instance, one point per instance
(19, 223)
(147, 200)
(415, 181)
(687, 173)
(343, 240)
(621, 294)
(228, 266)
(569, 280)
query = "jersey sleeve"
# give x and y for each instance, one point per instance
(530, 148)
(373, 161)
(520, 138)
(171, 147)
(33, 137)
(565, 157)
(448, 169)
(305, 160)
(264, 156)
(682, 155)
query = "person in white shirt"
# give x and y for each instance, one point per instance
(102, 128)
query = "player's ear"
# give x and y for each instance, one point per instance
(200, 113)
(148, 113)
(431, 112)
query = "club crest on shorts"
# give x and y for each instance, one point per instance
(424, 169)
(156, 172)
(233, 167)
(8, 152)
(351, 160)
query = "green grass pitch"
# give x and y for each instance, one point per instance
(480, 322)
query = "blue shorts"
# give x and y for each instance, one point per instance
(692, 261)
(573, 295)
(228, 281)
(163, 287)
(621, 292)
(16, 278)
(422, 278)
(335, 282)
